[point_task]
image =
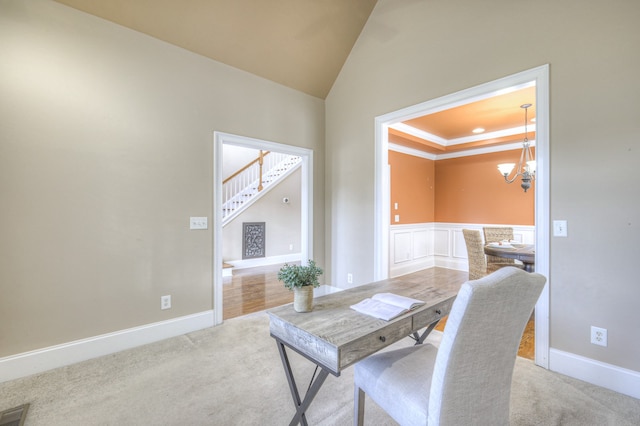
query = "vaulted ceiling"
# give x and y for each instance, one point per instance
(303, 44)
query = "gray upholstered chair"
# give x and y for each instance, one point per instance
(467, 381)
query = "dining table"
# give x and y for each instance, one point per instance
(525, 253)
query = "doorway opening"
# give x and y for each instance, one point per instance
(306, 197)
(540, 76)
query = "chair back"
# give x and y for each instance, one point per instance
(475, 254)
(474, 365)
(495, 234)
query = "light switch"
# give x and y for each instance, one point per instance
(559, 228)
(198, 223)
(397, 218)
(395, 206)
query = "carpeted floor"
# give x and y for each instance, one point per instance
(232, 375)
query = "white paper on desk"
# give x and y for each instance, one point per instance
(386, 306)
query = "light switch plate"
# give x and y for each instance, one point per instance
(198, 223)
(559, 228)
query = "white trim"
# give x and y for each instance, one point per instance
(457, 154)
(325, 289)
(596, 372)
(542, 206)
(306, 220)
(540, 78)
(409, 130)
(33, 362)
(264, 261)
(484, 150)
(412, 151)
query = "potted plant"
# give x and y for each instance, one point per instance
(301, 279)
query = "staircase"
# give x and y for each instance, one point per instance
(246, 186)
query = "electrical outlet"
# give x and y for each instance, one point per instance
(165, 302)
(350, 278)
(599, 336)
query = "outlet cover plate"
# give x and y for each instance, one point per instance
(165, 302)
(599, 336)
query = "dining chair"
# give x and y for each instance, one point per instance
(478, 266)
(467, 380)
(495, 234)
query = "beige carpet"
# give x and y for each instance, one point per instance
(232, 375)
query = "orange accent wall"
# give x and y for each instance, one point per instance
(412, 187)
(458, 190)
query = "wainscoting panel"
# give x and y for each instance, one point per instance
(402, 247)
(423, 245)
(459, 246)
(410, 248)
(442, 243)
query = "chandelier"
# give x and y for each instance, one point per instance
(526, 167)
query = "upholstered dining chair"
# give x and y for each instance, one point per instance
(478, 266)
(495, 234)
(467, 381)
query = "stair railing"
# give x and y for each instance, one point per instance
(239, 188)
(244, 177)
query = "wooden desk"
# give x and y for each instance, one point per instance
(333, 336)
(523, 252)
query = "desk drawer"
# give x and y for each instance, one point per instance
(367, 345)
(435, 313)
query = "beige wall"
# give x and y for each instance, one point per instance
(411, 52)
(105, 151)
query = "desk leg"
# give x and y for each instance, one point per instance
(420, 339)
(301, 406)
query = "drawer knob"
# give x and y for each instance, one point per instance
(383, 339)
(438, 311)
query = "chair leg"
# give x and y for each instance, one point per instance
(358, 409)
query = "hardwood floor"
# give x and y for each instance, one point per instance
(252, 290)
(256, 289)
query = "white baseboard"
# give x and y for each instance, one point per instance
(398, 269)
(325, 289)
(595, 372)
(449, 263)
(264, 261)
(33, 362)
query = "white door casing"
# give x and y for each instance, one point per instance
(540, 76)
(306, 228)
